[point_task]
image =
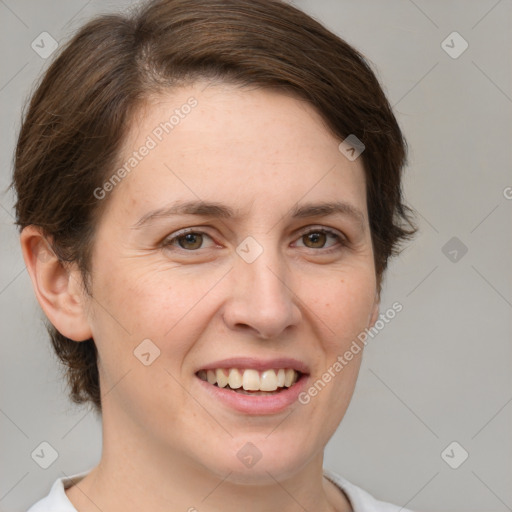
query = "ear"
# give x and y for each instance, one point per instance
(374, 315)
(57, 288)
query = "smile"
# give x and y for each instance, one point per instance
(250, 381)
(254, 386)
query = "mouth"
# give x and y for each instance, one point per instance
(249, 381)
(254, 386)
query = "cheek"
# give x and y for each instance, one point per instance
(146, 297)
(343, 303)
(131, 307)
(168, 302)
(163, 304)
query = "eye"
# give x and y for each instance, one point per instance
(192, 240)
(316, 239)
(187, 240)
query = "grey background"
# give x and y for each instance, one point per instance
(441, 370)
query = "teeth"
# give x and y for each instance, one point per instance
(268, 380)
(235, 379)
(289, 377)
(250, 379)
(210, 377)
(222, 378)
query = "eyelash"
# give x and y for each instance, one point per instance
(342, 241)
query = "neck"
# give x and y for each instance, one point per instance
(146, 476)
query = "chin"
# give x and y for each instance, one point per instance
(255, 460)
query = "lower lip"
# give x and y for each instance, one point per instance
(258, 404)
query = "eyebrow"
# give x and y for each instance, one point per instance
(221, 211)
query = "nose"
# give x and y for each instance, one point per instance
(262, 299)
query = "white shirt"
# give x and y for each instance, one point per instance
(361, 501)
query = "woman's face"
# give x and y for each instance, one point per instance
(246, 282)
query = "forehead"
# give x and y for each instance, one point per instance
(210, 115)
(224, 142)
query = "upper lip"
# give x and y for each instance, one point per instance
(257, 364)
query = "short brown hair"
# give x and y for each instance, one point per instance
(72, 132)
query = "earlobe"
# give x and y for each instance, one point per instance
(57, 288)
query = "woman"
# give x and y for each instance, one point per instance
(208, 195)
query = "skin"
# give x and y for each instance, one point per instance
(166, 444)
